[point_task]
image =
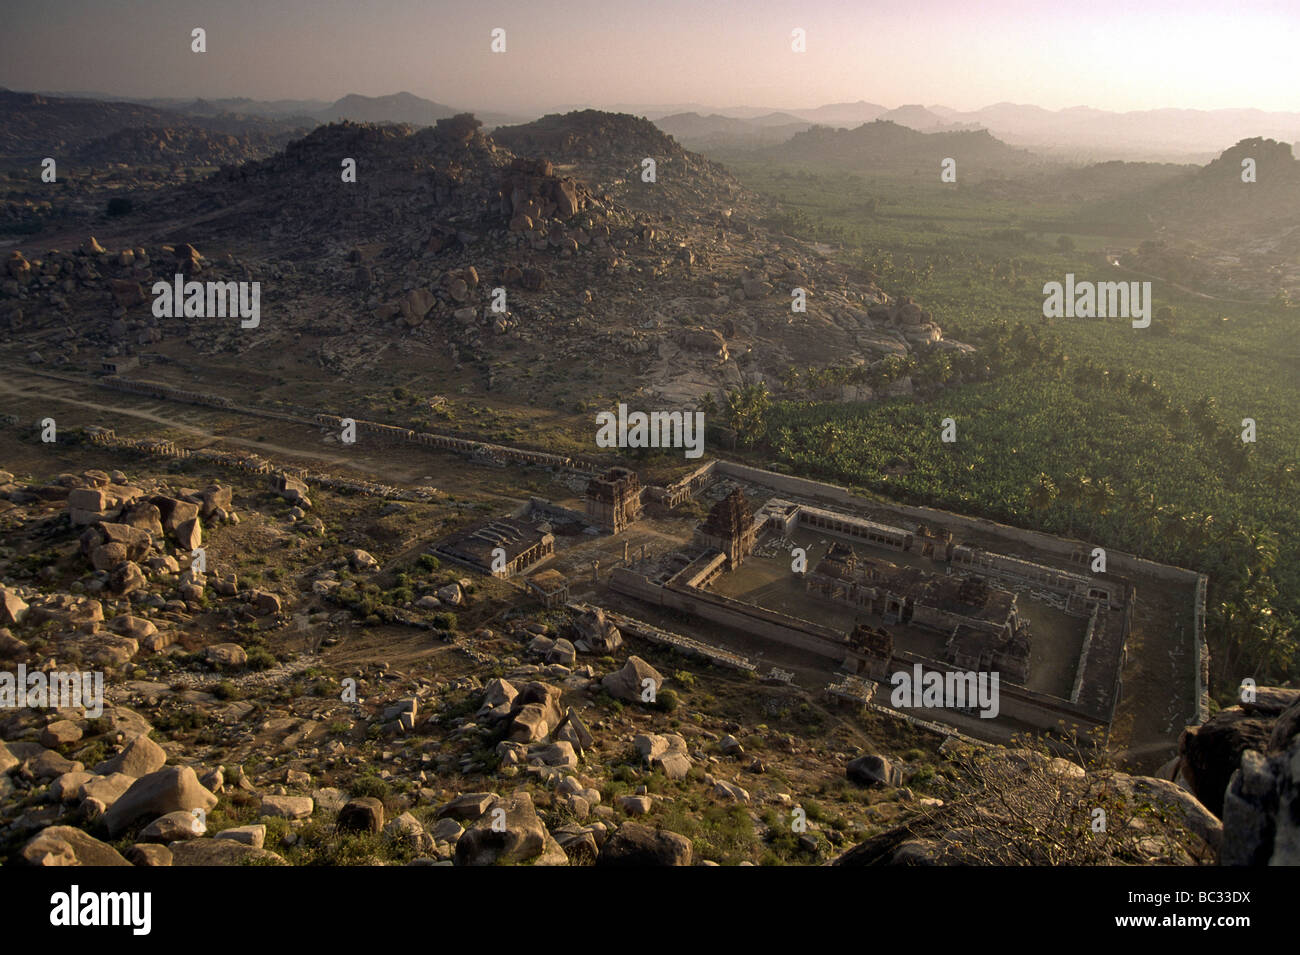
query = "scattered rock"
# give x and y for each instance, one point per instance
(66, 845)
(634, 680)
(637, 845)
(155, 794)
(362, 814)
(508, 832)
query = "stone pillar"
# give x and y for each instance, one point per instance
(595, 571)
(625, 543)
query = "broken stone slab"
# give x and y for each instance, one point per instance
(287, 807)
(254, 835)
(224, 852)
(466, 806)
(636, 845)
(106, 790)
(12, 607)
(60, 733)
(873, 770)
(149, 855)
(361, 814)
(228, 656)
(67, 788)
(173, 827)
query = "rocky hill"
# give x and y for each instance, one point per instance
(185, 145)
(33, 126)
(1215, 199)
(1209, 229)
(887, 146)
(396, 108)
(680, 284)
(714, 131)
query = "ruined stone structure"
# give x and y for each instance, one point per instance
(550, 587)
(875, 646)
(785, 516)
(1082, 591)
(934, 542)
(729, 528)
(156, 389)
(980, 650)
(683, 489)
(614, 499)
(502, 547)
(115, 366)
(981, 621)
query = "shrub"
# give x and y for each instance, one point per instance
(370, 786)
(260, 658)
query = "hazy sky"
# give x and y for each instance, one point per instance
(1110, 54)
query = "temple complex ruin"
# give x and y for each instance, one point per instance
(887, 596)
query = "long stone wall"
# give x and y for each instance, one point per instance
(734, 613)
(154, 389)
(491, 453)
(1202, 654)
(1044, 542)
(1081, 664)
(253, 464)
(688, 645)
(1016, 702)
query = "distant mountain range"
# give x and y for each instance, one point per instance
(394, 108)
(1080, 133)
(701, 132)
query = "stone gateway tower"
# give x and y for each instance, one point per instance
(614, 500)
(730, 528)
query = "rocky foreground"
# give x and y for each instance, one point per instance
(277, 693)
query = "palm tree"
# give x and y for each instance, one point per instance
(1042, 493)
(1146, 513)
(1073, 491)
(1100, 494)
(747, 408)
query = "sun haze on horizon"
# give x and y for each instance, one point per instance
(1099, 53)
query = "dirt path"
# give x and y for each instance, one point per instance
(1182, 288)
(51, 394)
